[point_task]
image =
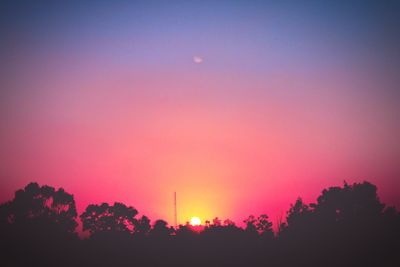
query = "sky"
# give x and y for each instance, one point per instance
(238, 106)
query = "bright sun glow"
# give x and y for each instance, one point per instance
(195, 221)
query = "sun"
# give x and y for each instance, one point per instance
(195, 221)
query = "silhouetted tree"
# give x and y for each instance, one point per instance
(251, 228)
(105, 218)
(216, 222)
(142, 226)
(229, 222)
(296, 212)
(264, 226)
(347, 226)
(347, 220)
(358, 201)
(38, 221)
(41, 204)
(161, 229)
(297, 219)
(185, 231)
(259, 226)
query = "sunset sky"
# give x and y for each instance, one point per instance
(238, 106)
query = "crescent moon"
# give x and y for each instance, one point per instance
(197, 59)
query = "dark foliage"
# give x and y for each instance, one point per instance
(347, 226)
(37, 227)
(101, 219)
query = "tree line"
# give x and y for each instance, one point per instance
(348, 225)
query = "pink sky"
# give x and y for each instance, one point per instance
(121, 113)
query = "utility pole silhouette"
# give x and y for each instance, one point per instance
(175, 212)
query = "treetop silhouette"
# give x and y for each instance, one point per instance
(42, 204)
(346, 226)
(105, 218)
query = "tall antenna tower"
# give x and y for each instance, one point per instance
(175, 212)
